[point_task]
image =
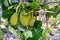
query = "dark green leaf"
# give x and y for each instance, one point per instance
(46, 6)
(38, 23)
(1, 1)
(30, 1)
(36, 32)
(7, 13)
(34, 5)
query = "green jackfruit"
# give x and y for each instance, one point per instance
(24, 19)
(14, 19)
(31, 23)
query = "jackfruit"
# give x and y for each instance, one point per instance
(14, 19)
(24, 19)
(31, 23)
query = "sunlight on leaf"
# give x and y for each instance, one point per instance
(10, 1)
(27, 34)
(12, 30)
(6, 3)
(1, 34)
(56, 19)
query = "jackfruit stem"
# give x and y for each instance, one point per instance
(18, 6)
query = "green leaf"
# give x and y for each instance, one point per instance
(10, 7)
(1, 34)
(56, 19)
(12, 30)
(34, 5)
(30, 1)
(36, 32)
(27, 34)
(44, 35)
(1, 1)
(6, 3)
(7, 13)
(10, 1)
(20, 28)
(46, 6)
(38, 24)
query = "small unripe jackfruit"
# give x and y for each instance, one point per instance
(14, 19)
(31, 23)
(24, 19)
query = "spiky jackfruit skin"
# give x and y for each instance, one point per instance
(24, 19)
(14, 19)
(31, 23)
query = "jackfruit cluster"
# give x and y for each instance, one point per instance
(25, 20)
